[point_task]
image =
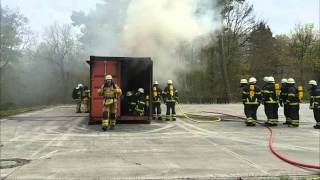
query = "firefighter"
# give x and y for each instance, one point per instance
(147, 107)
(171, 97)
(111, 92)
(283, 99)
(315, 101)
(270, 101)
(243, 85)
(293, 103)
(130, 101)
(86, 99)
(77, 96)
(252, 99)
(140, 100)
(156, 101)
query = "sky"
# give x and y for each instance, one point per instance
(281, 15)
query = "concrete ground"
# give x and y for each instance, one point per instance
(60, 145)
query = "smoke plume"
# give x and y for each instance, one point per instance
(157, 28)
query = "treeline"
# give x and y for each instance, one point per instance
(246, 48)
(38, 73)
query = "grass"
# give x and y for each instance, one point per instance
(14, 111)
(301, 178)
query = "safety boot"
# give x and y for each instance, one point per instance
(317, 126)
(288, 120)
(159, 118)
(294, 123)
(105, 124)
(104, 128)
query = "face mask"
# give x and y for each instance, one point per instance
(108, 83)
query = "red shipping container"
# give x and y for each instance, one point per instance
(130, 73)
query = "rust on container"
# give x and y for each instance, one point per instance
(130, 73)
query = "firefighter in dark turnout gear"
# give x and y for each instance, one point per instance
(77, 95)
(130, 102)
(170, 96)
(270, 101)
(315, 102)
(293, 101)
(283, 99)
(140, 99)
(156, 101)
(110, 92)
(252, 98)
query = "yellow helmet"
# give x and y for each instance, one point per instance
(170, 82)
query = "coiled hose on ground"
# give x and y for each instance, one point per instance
(271, 137)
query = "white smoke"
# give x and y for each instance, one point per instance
(156, 28)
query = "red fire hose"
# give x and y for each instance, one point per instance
(273, 150)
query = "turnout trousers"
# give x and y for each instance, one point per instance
(171, 106)
(271, 111)
(251, 113)
(156, 110)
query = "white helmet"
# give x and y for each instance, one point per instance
(129, 93)
(170, 82)
(284, 80)
(291, 81)
(253, 80)
(271, 79)
(141, 90)
(313, 82)
(243, 81)
(80, 85)
(155, 83)
(108, 77)
(265, 79)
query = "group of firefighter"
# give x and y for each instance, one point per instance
(137, 102)
(271, 95)
(81, 95)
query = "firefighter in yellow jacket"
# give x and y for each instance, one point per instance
(111, 92)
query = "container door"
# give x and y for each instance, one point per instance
(98, 72)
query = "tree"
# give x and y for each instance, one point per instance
(61, 48)
(262, 58)
(238, 22)
(13, 30)
(301, 45)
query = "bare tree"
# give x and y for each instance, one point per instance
(61, 45)
(238, 21)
